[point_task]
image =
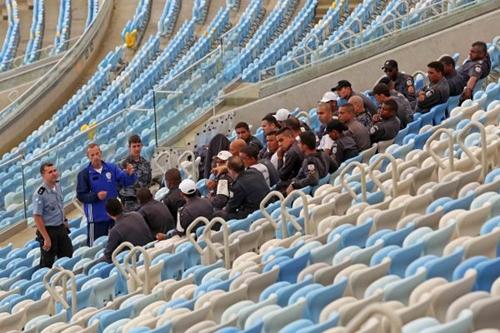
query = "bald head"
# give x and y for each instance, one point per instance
(357, 103)
(236, 146)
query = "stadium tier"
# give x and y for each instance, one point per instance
(403, 236)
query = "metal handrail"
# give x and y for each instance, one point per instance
(132, 255)
(285, 215)
(394, 173)
(184, 156)
(268, 216)
(225, 233)
(118, 265)
(434, 155)
(190, 227)
(347, 187)
(484, 145)
(63, 274)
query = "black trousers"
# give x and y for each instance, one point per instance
(61, 245)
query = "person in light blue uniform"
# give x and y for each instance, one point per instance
(48, 212)
(97, 183)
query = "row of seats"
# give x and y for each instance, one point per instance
(388, 232)
(32, 53)
(168, 18)
(92, 10)
(63, 27)
(200, 10)
(11, 41)
(140, 20)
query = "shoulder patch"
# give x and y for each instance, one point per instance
(429, 93)
(311, 167)
(409, 82)
(41, 190)
(478, 68)
(373, 129)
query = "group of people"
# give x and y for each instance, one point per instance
(239, 174)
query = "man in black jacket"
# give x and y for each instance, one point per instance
(156, 214)
(290, 157)
(248, 189)
(129, 227)
(316, 164)
(174, 199)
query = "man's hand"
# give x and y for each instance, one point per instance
(421, 96)
(467, 94)
(211, 184)
(289, 189)
(160, 236)
(130, 169)
(47, 244)
(376, 118)
(102, 195)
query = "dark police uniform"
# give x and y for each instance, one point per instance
(252, 140)
(314, 167)
(48, 203)
(402, 83)
(435, 93)
(194, 207)
(478, 68)
(157, 217)
(365, 118)
(174, 200)
(289, 166)
(129, 227)
(144, 176)
(456, 83)
(344, 148)
(247, 192)
(386, 129)
(405, 111)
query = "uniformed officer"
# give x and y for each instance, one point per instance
(289, 157)
(316, 164)
(477, 67)
(359, 109)
(383, 93)
(403, 83)
(437, 92)
(344, 146)
(48, 212)
(247, 191)
(243, 132)
(142, 170)
(388, 126)
(455, 81)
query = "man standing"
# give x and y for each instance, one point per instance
(403, 83)
(129, 227)
(96, 184)
(156, 214)
(243, 132)
(48, 212)
(437, 92)
(142, 170)
(173, 199)
(477, 67)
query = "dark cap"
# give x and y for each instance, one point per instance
(390, 64)
(342, 84)
(336, 125)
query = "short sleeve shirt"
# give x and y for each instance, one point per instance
(48, 203)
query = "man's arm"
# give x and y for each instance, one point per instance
(40, 226)
(286, 169)
(311, 177)
(123, 178)
(237, 200)
(83, 190)
(431, 98)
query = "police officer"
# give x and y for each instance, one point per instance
(129, 227)
(403, 83)
(247, 191)
(48, 212)
(142, 170)
(155, 213)
(289, 157)
(344, 146)
(382, 93)
(455, 81)
(388, 126)
(437, 92)
(477, 67)
(97, 183)
(315, 165)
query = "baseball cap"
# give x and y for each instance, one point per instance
(390, 64)
(329, 96)
(282, 114)
(224, 155)
(336, 125)
(342, 84)
(187, 186)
